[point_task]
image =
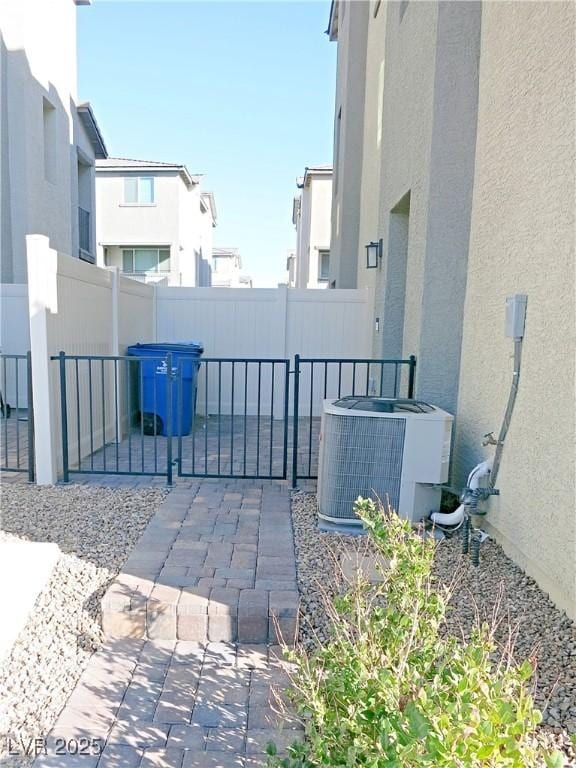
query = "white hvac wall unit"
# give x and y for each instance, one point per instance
(396, 450)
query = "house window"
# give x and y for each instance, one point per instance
(139, 190)
(323, 265)
(135, 260)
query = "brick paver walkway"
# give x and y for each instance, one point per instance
(190, 674)
(216, 563)
(180, 704)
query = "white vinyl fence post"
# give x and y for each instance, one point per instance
(115, 310)
(42, 301)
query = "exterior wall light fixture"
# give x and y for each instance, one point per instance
(374, 254)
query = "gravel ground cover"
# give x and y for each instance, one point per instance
(497, 587)
(95, 528)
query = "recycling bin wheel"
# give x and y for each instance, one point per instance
(152, 424)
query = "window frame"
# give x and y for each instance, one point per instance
(323, 252)
(156, 271)
(138, 202)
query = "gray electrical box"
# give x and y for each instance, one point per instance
(515, 315)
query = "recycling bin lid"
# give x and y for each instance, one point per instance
(183, 347)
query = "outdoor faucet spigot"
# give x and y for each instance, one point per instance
(489, 439)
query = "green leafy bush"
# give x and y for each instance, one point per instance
(392, 690)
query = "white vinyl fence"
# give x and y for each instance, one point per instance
(84, 310)
(263, 323)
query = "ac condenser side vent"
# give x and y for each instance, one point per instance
(360, 456)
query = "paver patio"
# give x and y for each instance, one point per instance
(217, 446)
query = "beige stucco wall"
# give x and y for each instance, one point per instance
(476, 110)
(320, 203)
(522, 240)
(429, 124)
(371, 156)
(348, 140)
(416, 159)
(303, 238)
(33, 68)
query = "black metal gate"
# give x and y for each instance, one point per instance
(240, 420)
(164, 415)
(207, 417)
(17, 414)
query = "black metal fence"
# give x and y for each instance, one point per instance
(317, 379)
(207, 417)
(17, 414)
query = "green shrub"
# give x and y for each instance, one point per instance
(391, 690)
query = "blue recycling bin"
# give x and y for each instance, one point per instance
(154, 382)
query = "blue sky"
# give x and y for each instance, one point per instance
(242, 92)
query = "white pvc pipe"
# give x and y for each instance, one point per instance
(475, 478)
(478, 474)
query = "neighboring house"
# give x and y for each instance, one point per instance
(48, 141)
(154, 222)
(311, 217)
(454, 148)
(227, 269)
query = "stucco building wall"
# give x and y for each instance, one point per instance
(522, 240)
(321, 204)
(303, 238)
(348, 140)
(313, 226)
(415, 157)
(35, 72)
(429, 125)
(370, 151)
(474, 200)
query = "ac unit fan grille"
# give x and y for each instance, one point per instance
(361, 456)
